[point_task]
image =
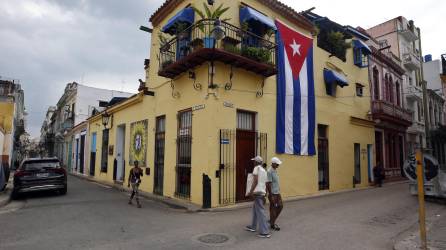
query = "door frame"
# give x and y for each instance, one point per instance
(160, 137)
(244, 165)
(120, 152)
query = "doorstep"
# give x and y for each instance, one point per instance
(171, 202)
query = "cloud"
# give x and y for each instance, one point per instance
(48, 43)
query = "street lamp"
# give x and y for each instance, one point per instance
(105, 118)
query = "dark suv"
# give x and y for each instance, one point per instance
(39, 174)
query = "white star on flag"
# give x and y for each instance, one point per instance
(295, 48)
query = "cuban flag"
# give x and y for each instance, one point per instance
(295, 123)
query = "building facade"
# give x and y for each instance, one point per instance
(210, 101)
(76, 104)
(402, 38)
(388, 111)
(12, 119)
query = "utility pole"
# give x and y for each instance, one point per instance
(419, 154)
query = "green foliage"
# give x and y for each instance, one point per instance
(232, 48)
(209, 14)
(162, 39)
(258, 54)
(333, 42)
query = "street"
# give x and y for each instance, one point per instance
(92, 216)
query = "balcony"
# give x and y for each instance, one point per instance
(416, 128)
(411, 61)
(408, 34)
(387, 111)
(67, 124)
(238, 48)
(414, 93)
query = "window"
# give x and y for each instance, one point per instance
(419, 111)
(398, 98)
(390, 89)
(359, 89)
(360, 58)
(375, 84)
(246, 120)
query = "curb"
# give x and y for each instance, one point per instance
(188, 207)
(5, 196)
(296, 198)
(192, 208)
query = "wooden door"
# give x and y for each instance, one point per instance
(245, 151)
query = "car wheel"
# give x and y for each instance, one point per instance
(63, 191)
(14, 195)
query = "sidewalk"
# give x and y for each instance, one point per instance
(436, 231)
(189, 207)
(5, 195)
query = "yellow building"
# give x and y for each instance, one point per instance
(210, 106)
(7, 130)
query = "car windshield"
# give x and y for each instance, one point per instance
(39, 165)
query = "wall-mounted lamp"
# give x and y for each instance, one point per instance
(106, 119)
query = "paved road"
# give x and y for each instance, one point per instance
(91, 216)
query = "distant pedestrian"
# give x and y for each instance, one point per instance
(274, 197)
(378, 174)
(258, 191)
(134, 180)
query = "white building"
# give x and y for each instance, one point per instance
(76, 104)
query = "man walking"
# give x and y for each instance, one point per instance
(274, 197)
(135, 179)
(378, 173)
(258, 191)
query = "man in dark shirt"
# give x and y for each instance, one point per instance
(135, 179)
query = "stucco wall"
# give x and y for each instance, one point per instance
(299, 174)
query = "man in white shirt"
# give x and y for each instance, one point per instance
(258, 191)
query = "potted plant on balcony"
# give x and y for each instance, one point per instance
(163, 42)
(181, 30)
(212, 15)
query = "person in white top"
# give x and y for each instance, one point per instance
(258, 191)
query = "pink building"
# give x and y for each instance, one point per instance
(398, 38)
(388, 112)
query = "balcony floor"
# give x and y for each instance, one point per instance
(202, 55)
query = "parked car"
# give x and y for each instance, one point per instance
(40, 174)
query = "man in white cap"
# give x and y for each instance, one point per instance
(258, 191)
(275, 200)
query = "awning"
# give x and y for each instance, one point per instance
(331, 76)
(186, 15)
(358, 44)
(249, 14)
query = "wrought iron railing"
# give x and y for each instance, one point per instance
(392, 110)
(235, 41)
(227, 169)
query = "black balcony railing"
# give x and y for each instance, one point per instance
(238, 47)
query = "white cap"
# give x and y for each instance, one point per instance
(276, 160)
(257, 159)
